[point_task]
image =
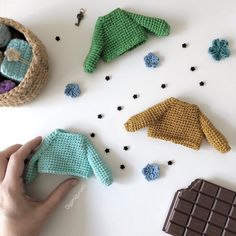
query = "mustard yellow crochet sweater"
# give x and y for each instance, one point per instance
(179, 122)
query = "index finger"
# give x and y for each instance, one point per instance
(16, 163)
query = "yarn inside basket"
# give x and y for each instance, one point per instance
(15, 34)
(34, 77)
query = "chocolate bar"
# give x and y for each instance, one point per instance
(204, 209)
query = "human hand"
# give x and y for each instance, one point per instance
(21, 215)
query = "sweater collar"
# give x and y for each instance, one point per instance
(182, 103)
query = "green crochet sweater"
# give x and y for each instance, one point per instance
(119, 32)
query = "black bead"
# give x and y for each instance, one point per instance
(122, 167)
(170, 163)
(107, 78)
(135, 96)
(107, 150)
(193, 68)
(184, 45)
(92, 135)
(119, 108)
(201, 83)
(57, 38)
(163, 86)
(100, 116)
(126, 148)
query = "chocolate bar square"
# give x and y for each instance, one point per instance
(202, 209)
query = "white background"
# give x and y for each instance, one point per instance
(131, 206)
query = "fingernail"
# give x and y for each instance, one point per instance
(74, 182)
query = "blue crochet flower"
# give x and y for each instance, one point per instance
(151, 60)
(219, 49)
(151, 172)
(72, 90)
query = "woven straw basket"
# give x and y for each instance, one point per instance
(36, 75)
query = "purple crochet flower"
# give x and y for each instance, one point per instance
(6, 86)
(151, 172)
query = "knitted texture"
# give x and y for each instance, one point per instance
(151, 172)
(16, 69)
(37, 73)
(179, 122)
(5, 35)
(67, 153)
(151, 60)
(72, 90)
(119, 32)
(6, 86)
(219, 49)
(1, 57)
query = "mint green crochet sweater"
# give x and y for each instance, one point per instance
(118, 32)
(67, 153)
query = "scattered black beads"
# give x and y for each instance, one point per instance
(170, 163)
(107, 150)
(100, 116)
(122, 167)
(192, 68)
(119, 108)
(201, 83)
(184, 45)
(92, 135)
(163, 86)
(126, 148)
(57, 38)
(107, 78)
(135, 96)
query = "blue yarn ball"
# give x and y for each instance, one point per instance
(151, 60)
(72, 90)
(151, 172)
(5, 35)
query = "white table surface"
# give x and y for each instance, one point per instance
(131, 206)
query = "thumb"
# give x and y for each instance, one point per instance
(58, 194)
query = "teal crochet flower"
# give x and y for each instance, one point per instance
(151, 172)
(219, 49)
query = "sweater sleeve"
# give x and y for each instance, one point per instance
(100, 169)
(147, 117)
(155, 25)
(214, 137)
(96, 49)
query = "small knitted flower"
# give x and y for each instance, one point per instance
(219, 49)
(12, 54)
(6, 86)
(151, 60)
(72, 90)
(151, 172)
